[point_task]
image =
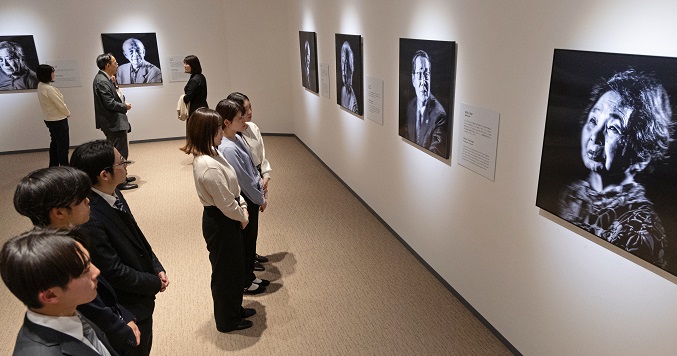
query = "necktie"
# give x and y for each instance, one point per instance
(89, 333)
(118, 205)
(419, 118)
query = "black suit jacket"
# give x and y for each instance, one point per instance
(124, 256)
(34, 339)
(435, 127)
(109, 110)
(110, 316)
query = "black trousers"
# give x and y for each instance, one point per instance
(250, 235)
(58, 147)
(224, 243)
(146, 329)
(119, 140)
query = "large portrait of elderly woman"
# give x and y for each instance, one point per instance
(137, 56)
(18, 61)
(349, 73)
(609, 164)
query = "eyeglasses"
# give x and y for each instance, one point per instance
(421, 75)
(124, 162)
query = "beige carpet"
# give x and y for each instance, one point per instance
(342, 283)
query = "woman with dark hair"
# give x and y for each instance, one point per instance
(196, 89)
(223, 218)
(236, 152)
(626, 129)
(56, 116)
(252, 136)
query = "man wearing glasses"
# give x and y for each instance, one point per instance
(118, 246)
(110, 110)
(426, 118)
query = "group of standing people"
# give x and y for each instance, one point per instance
(231, 176)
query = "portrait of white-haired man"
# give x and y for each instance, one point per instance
(625, 130)
(14, 71)
(348, 97)
(427, 124)
(138, 70)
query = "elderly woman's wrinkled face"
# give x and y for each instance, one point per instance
(602, 136)
(346, 69)
(10, 63)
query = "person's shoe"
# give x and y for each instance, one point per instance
(260, 258)
(247, 312)
(261, 282)
(258, 266)
(127, 186)
(130, 179)
(244, 324)
(254, 289)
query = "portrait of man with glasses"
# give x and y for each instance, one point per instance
(424, 120)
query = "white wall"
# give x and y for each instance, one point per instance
(542, 285)
(235, 40)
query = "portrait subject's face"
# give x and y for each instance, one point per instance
(602, 135)
(346, 71)
(11, 63)
(420, 78)
(135, 54)
(307, 62)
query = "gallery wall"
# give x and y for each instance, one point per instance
(546, 286)
(236, 41)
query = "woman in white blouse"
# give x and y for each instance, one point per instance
(56, 116)
(223, 218)
(252, 136)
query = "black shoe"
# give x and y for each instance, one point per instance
(244, 324)
(258, 290)
(260, 258)
(262, 282)
(258, 266)
(247, 312)
(127, 186)
(130, 179)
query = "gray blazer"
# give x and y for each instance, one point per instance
(38, 340)
(109, 110)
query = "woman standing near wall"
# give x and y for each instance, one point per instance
(224, 217)
(56, 116)
(196, 89)
(252, 136)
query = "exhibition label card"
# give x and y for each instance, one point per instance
(176, 71)
(479, 140)
(324, 79)
(66, 74)
(375, 100)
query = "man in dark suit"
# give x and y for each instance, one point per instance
(110, 110)
(117, 244)
(427, 123)
(57, 197)
(50, 272)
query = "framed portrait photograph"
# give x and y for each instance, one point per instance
(18, 62)
(609, 161)
(137, 56)
(349, 79)
(427, 81)
(308, 47)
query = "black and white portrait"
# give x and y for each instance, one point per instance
(308, 46)
(18, 61)
(608, 163)
(349, 72)
(137, 55)
(426, 93)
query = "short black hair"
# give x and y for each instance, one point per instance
(194, 63)
(103, 59)
(44, 73)
(93, 157)
(238, 97)
(40, 259)
(228, 109)
(47, 188)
